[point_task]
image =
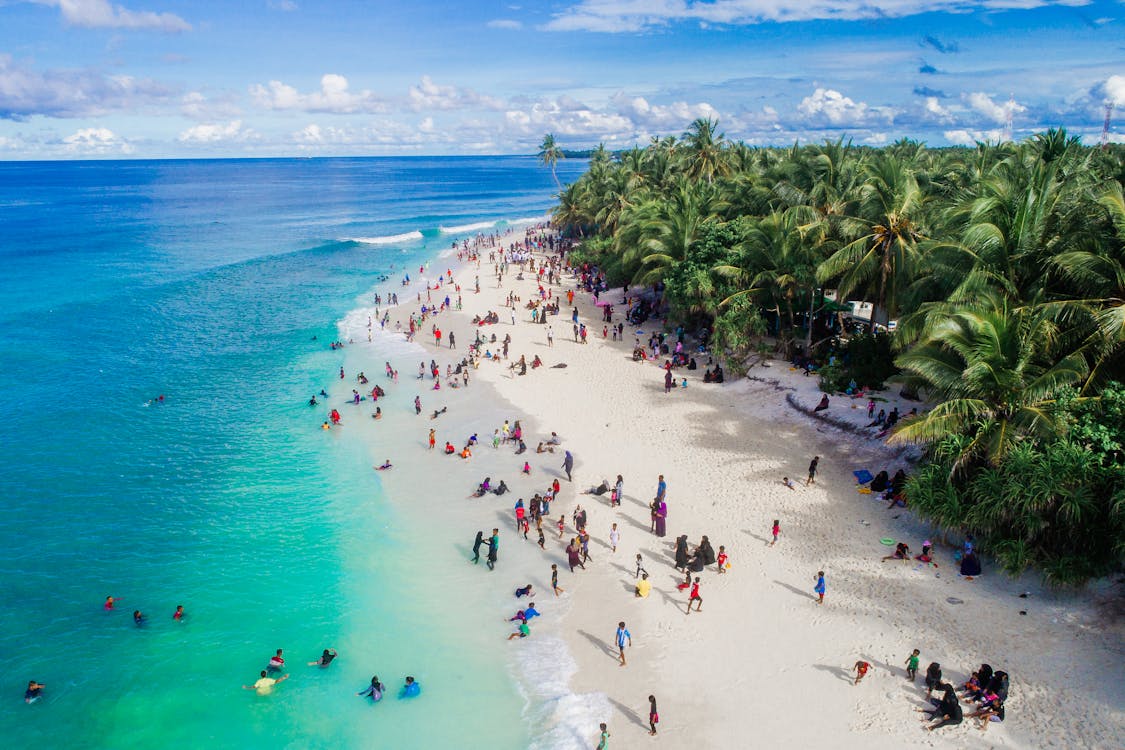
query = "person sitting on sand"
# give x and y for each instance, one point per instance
(523, 632)
(991, 711)
(880, 482)
(902, 552)
(643, 587)
(600, 490)
(384, 466)
(449, 449)
(823, 403)
(523, 591)
(927, 555)
(484, 487)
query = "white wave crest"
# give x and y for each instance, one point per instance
(561, 719)
(528, 220)
(462, 228)
(389, 239)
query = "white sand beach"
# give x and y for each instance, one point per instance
(762, 663)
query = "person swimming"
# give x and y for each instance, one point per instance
(325, 658)
(277, 663)
(375, 690)
(138, 617)
(178, 615)
(34, 691)
(411, 689)
(384, 466)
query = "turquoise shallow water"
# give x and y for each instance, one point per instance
(206, 281)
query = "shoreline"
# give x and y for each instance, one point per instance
(730, 444)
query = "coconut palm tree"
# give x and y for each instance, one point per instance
(996, 374)
(882, 254)
(704, 150)
(549, 155)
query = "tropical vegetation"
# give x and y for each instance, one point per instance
(995, 279)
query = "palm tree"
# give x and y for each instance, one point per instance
(661, 232)
(996, 373)
(705, 159)
(882, 256)
(549, 155)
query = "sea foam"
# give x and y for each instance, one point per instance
(462, 228)
(561, 718)
(389, 239)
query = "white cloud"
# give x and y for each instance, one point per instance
(286, 5)
(215, 132)
(568, 117)
(505, 23)
(832, 106)
(96, 141)
(962, 137)
(998, 113)
(638, 15)
(101, 14)
(333, 96)
(429, 95)
(646, 116)
(935, 111)
(198, 107)
(1115, 90)
(25, 92)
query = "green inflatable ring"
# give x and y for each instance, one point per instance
(887, 541)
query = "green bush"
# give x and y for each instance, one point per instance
(1057, 505)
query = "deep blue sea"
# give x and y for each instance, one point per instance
(205, 282)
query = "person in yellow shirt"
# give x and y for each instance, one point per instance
(264, 684)
(644, 586)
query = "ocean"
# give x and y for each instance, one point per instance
(219, 285)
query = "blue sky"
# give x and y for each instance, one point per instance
(173, 78)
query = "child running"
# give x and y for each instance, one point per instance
(555, 580)
(775, 531)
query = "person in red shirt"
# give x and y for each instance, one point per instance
(860, 668)
(695, 597)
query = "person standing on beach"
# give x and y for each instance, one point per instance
(912, 665)
(695, 597)
(640, 567)
(550, 337)
(820, 588)
(493, 548)
(661, 487)
(812, 470)
(568, 465)
(476, 547)
(603, 742)
(618, 492)
(417, 405)
(623, 636)
(860, 668)
(775, 531)
(614, 538)
(573, 551)
(653, 716)
(555, 580)
(433, 438)
(451, 340)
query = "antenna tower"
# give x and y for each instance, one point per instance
(1105, 125)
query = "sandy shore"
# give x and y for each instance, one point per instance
(762, 662)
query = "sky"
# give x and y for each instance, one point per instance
(84, 79)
